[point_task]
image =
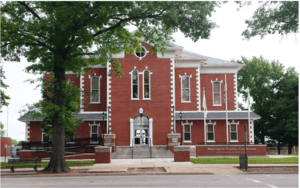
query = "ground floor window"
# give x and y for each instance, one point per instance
(45, 138)
(210, 132)
(233, 132)
(187, 132)
(94, 134)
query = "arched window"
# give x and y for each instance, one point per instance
(135, 84)
(147, 84)
(185, 89)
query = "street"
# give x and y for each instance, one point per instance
(251, 180)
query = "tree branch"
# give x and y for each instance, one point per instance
(29, 9)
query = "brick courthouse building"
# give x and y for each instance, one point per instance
(156, 93)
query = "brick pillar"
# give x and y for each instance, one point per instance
(173, 140)
(182, 153)
(110, 140)
(102, 154)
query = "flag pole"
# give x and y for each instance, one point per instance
(204, 109)
(225, 88)
(249, 104)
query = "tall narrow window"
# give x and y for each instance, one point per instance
(187, 132)
(217, 93)
(210, 132)
(135, 84)
(95, 89)
(233, 132)
(94, 133)
(45, 138)
(147, 92)
(185, 89)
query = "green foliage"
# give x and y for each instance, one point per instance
(3, 96)
(2, 132)
(271, 17)
(226, 160)
(16, 143)
(275, 95)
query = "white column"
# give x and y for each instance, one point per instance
(131, 131)
(151, 130)
(26, 132)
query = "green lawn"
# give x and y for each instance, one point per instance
(44, 164)
(283, 154)
(250, 160)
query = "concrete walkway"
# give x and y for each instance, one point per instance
(149, 166)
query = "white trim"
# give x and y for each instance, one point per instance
(235, 91)
(138, 94)
(94, 124)
(172, 69)
(189, 101)
(119, 55)
(108, 95)
(236, 124)
(131, 131)
(81, 82)
(151, 130)
(43, 136)
(91, 87)
(146, 52)
(219, 70)
(146, 69)
(213, 92)
(27, 131)
(198, 89)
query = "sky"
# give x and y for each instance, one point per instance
(225, 43)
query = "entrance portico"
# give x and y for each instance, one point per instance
(141, 130)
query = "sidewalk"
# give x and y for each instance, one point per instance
(163, 166)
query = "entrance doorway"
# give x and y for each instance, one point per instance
(141, 130)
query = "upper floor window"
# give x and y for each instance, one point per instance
(95, 89)
(216, 92)
(147, 81)
(185, 89)
(141, 54)
(135, 85)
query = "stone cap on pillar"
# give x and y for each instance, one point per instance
(102, 149)
(182, 148)
(174, 135)
(109, 135)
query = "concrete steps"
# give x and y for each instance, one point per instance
(141, 152)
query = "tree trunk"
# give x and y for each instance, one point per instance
(57, 162)
(290, 148)
(278, 147)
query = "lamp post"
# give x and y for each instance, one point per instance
(180, 126)
(103, 127)
(107, 131)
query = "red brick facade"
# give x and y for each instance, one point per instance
(165, 92)
(4, 141)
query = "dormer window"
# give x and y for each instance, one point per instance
(142, 53)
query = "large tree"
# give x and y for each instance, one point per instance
(272, 17)
(3, 97)
(55, 36)
(275, 94)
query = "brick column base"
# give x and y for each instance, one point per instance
(173, 140)
(182, 153)
(102, 154)
(110, 140)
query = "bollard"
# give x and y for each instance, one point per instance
(243, 161)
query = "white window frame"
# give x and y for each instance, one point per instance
(91, 88)
(43, 133)
(189, 101)
(138, 93)
(189, 124)
(236, 124)
(213, 92)
(146, 52)
(91, 125)
(146, 69)
(213, 124)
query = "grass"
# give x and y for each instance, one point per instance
(44, 164)
(293, 160)
(284, 154)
